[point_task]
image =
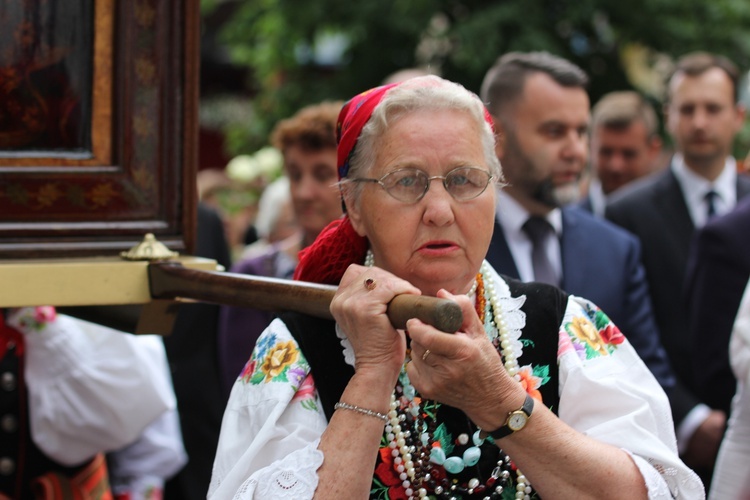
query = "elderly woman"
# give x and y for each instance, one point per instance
(537, 394)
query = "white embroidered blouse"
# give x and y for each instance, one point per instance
(274, 418)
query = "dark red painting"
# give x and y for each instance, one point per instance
(46, 68)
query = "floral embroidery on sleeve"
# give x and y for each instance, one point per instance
(280, 360)
(275, 360)
(592, 335)
(34, 318)
(306, 394)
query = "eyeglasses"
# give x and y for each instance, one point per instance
(409, 185)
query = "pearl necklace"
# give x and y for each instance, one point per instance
(403, 454)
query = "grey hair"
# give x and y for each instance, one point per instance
(274, 196)
(418, 94)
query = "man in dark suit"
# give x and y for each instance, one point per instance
(702, 116)
(625, 146)
(718, 271)
(541, 111)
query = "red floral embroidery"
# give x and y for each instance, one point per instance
(306, 390)
(388, 476)
(248, 371)
(612, 335)
(44, 314)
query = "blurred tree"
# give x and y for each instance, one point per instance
(301, 52)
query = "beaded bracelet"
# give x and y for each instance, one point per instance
(364, 411)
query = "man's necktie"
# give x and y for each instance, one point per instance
(538, 230)
(711, 204)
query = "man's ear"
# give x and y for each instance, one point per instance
(654, 147)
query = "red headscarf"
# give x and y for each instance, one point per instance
(352, 119)
(339, 245)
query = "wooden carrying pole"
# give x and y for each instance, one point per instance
(170, 280)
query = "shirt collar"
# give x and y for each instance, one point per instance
(695, 187)
(512, 215)
(597, 197)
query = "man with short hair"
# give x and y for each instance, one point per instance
(541, 112)
(703, 117)
(625, 145)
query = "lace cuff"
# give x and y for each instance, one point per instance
(294, 477)
(663, 481)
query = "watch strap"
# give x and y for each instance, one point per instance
(505, 430)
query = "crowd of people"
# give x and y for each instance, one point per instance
(603, 279)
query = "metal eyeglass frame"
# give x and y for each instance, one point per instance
(444, 178)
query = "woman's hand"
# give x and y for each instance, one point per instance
(359, 307)
(463, 370)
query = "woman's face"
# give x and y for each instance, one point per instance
(312, 175)
(438, 242)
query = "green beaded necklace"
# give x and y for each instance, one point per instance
(414, 470)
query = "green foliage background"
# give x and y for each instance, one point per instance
(621, 44)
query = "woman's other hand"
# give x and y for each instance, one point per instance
(463, 370)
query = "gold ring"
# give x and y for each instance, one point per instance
(370, 284)
(426, 353)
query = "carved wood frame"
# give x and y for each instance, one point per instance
(140, 175)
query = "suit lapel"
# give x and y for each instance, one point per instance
(671, 207)
(572, 246)
(499, 253)
(586, 204)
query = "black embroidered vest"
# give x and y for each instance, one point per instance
(544, 308)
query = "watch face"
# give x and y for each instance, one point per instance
(517, 421)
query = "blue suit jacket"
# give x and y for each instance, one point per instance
(602, 263)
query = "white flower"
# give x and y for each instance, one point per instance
(243, 168)
(270, 161)
(266, 162)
